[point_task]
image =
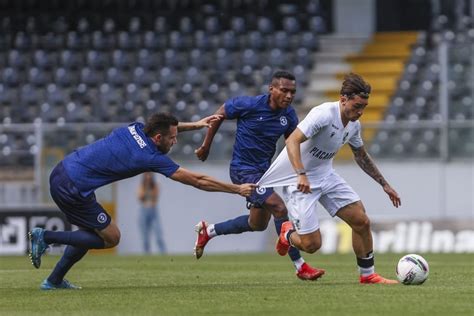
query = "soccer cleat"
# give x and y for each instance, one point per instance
(202, 239)
(308, 273)
(37, 246)
(64, 285)
(374, 278)
(282, 244)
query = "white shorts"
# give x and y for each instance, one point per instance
(332, 192)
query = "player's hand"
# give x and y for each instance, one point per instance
(202, 153)
(393, 195)
(303, 184)
(207, 121)
(246, 189)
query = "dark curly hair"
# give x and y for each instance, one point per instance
(353, 85)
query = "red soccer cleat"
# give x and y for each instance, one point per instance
(282, 244)
(374, 278)
(308, 273)
(202, 239)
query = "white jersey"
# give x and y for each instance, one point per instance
(326, 135)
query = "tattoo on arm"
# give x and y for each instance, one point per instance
(366, 163)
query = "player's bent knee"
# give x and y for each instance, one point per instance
(311, 246)
(362, 225)
(112, 240)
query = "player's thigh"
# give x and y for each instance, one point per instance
(354, 215)
(275, 205)
(259, 218)
(302, 209)
(110, 234)
(337, 194)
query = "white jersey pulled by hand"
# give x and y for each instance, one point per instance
(326, 135)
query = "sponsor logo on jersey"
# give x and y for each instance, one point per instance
(137, 137)
(334, 126)
(102, 218)
(320, 154)
(283, 120)
(344, 139)
(332, 134)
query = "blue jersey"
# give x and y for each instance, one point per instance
(124, 153)
(258, 129)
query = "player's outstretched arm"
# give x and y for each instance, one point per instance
(203, 152)
(205, 122)
(366, 163)
(293, 143)
(207, 183)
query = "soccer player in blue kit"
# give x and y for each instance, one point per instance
(261, 121)
(126, 152)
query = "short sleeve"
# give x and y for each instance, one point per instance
(164, 165)
(314, 122)
(236, 107)
(356, 139)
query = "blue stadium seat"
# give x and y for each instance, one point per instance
(91, 77)
(154, 41)
(97, 60)
(18, 59)
(144, 77)
(39, 77)
(45, 60)
(57, 96)
(149, 59)
(123, 59)
(70, 59)
(117, 77)
(129, 41)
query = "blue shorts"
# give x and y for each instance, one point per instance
(260, 195)
(84, 212)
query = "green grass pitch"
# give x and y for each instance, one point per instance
(247, 284)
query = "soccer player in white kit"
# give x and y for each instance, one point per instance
(305, 171)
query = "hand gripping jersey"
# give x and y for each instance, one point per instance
(326, 134)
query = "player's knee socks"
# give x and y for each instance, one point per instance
(292, 252)
(80, 238)
(70, 257)
(366, 265)
(233, 226)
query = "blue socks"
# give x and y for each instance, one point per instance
(292, 252)
(233, 226)
(80, 238)
(70, 257)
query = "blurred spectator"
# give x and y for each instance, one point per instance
(149, 219)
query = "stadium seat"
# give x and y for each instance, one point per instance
(70, 59)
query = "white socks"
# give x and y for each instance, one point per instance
(211, 232)
(298, 263)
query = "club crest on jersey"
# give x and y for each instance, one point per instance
(283, 120)
(102, 218)
(261, 191)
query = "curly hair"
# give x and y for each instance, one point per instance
(353, 85)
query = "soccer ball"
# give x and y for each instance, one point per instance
(412, 269)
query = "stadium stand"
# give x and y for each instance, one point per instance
(84, 61)
(118, 61)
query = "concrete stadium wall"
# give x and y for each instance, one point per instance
(429, 191)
